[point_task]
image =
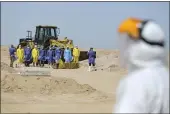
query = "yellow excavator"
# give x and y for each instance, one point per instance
(47, 36)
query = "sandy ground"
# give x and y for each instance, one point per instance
(74, 91)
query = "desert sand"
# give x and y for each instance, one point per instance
(65, 91)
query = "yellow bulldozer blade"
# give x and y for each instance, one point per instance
(71, 65)
(63, 65)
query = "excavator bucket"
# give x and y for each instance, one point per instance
(83, 55)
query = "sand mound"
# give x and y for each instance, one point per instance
(43, 85)
(6, 67)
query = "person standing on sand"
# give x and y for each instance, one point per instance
(27, 55)
(20, 56)
(67, 55)
(57, 56)
(91, 58)
(76, 54)
(50, 57)
(12, 51)
(41, 56)
(35, 55)
(145, 89)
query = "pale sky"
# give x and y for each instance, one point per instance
(89, 24)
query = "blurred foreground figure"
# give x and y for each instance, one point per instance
(146, 87)
(92, 56)
(12, 55)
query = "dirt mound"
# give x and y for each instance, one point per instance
(6, 67)
(108, 62)
(43, 85)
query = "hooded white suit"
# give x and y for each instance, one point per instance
(146, 87)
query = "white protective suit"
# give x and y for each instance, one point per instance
(146, 87)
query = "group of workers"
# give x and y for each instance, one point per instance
(23, 55)
(38, 56)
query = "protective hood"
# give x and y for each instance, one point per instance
(141, 44)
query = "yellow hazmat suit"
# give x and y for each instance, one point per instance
(35, 54)
(76, 54)
(20, 55)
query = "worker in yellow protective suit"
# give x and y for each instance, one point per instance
(76, 54)
(20, 56)
(35, 55)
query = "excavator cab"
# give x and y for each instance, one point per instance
(44, 33)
